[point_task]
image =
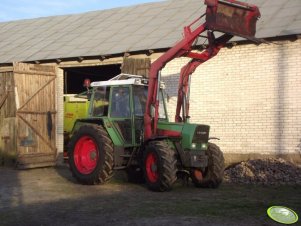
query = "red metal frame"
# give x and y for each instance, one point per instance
(217, 18)
(197, 59)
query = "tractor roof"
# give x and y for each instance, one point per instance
(125, 79)
(132, 81)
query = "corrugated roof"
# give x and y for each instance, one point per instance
(141, 27)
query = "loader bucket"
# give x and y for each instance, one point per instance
(232, 17)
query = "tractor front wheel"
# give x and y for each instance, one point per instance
(213, 174)
(159, 166)
(90, 152)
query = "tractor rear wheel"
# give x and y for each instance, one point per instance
(213, 175)
(159, 166)
(90, 153)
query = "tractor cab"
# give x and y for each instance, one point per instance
(120, 105)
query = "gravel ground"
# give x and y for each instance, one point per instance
(264, 171)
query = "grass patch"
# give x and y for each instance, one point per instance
(229, 201)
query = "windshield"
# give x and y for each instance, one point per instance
(140, 97)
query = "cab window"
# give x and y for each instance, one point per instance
(101, 101)
(140, 97)
(120, 102)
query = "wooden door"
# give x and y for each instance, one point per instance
(7, 97)
(7, 119)
(36, 111)
(136, 66)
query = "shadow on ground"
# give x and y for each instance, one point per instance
(51, 197)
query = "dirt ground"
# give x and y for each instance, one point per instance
(50, 196)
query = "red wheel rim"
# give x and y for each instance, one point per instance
(151, 167)
(85, 155)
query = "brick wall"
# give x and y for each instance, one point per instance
(250, 96)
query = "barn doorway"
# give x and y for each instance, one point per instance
(75, 105)
(74, 77)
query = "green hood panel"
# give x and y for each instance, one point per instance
(163, 125)
(195, 136)
(190, 134)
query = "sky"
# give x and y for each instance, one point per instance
(26, 9)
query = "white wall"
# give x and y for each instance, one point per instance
(60, 113)
(250, 96)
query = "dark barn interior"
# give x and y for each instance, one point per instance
(74, 77)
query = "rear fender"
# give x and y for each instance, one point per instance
(102, 122)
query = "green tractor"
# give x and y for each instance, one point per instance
(112, 138)
(128, 126)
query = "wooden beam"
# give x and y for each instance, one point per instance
(37, 112)
(35, 73)
(80, 59)
(102, 58)
(3, 100)
(150, 52)
(6, 69)
(126, 54)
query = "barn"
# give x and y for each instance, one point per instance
(249, 94)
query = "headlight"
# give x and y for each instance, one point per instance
(204, 146)
(193, 145)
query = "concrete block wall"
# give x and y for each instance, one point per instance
(250, 96)
(60, 116)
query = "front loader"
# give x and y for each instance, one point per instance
(128, 126)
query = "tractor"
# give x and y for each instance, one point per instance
(127, 127)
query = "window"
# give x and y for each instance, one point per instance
(162, 113)
(120, 102)
(140, 97)
(101, 101)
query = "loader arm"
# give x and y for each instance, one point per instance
(227, 16)
(197, 59)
